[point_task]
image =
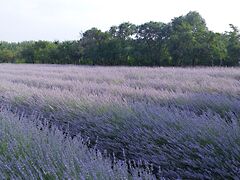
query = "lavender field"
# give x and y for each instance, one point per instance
(183, 121)
(26, 152)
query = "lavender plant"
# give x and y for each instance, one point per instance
(184, 120)
(28, 151)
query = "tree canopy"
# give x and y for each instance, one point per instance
(185, 41)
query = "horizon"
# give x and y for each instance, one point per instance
(59, 20)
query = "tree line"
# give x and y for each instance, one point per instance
(185, 41)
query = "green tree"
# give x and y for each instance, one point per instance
(27, 52)
(92, 42)
(216, 49)
(151, 38)
(122, 42)
(69, 52)
(7, 56)
(124, 31)
(186, 34)
(233, 46)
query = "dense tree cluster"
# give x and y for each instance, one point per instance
(185, 41)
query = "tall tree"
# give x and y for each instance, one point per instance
(122, 40)
(216, 49)
(27, 52)
(92, 42)
(233, 46)
(186, 33)
(152, 37)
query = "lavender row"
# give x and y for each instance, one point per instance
(29, 150)
(184, 120)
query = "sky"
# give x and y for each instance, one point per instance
(61, 20)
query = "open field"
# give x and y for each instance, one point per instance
(183, 120)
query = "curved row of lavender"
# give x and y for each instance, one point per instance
(184, 120)
(28, 151)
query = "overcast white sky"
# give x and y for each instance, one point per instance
(64, 19)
